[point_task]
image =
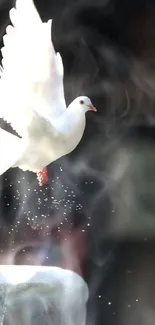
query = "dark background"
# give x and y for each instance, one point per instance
(96, 215)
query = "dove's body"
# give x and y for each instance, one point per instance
(47, 145)
(32, 96)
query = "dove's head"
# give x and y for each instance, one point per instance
(84, 104)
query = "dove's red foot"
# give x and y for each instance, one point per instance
(42, 176)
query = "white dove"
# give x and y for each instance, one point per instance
(32, 97)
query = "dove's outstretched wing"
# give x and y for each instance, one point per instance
(32, 72)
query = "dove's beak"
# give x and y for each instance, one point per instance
(92, 108)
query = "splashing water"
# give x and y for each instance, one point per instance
(43, 295)
(3, 303)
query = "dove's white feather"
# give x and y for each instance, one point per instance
(10, 150)
(32, 77)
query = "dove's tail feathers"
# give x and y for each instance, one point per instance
(10, 150)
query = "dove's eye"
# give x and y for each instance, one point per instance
(81, 102)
